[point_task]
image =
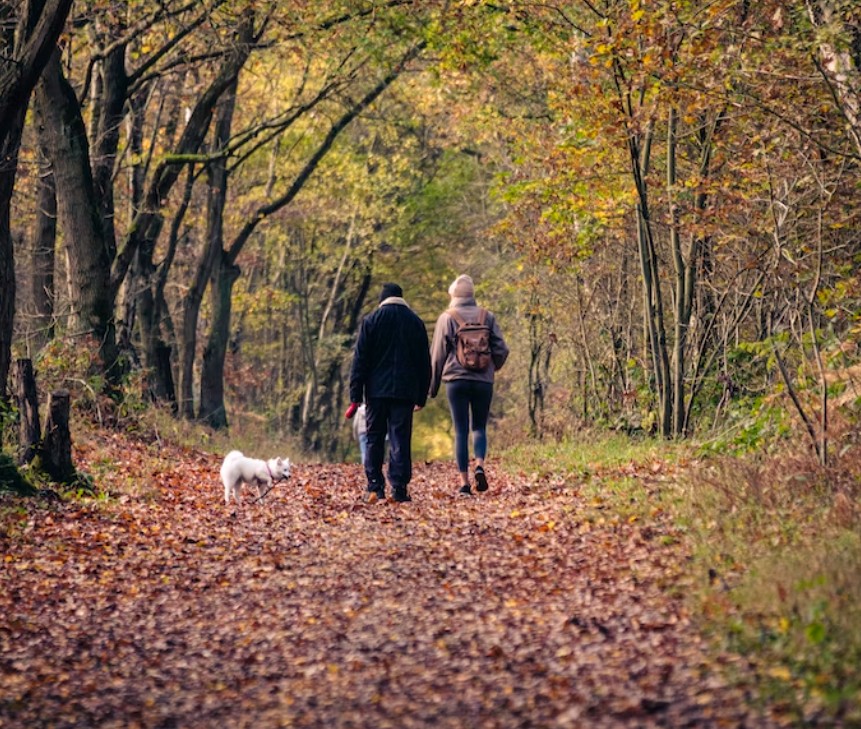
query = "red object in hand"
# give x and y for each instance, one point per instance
(351, 411)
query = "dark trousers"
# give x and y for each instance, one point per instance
(387, 416)
(469, 398)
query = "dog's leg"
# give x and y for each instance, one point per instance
(261, 491)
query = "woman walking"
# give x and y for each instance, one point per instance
(467, 350)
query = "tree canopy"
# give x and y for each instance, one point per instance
(660, 199)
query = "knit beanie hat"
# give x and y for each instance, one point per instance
(462, 287)
(390, 289)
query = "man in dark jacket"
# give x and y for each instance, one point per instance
(391, 373)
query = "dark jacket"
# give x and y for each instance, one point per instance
(445, 366)
(392, 358)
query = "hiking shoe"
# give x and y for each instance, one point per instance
(401, 495)
(465, 490)
(373, 496)
(480, 479)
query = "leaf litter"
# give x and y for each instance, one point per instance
(160, 607)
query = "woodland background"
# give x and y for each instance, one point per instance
(659, 199)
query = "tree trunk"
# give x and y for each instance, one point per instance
(652, 297)
(127, 301)
(535, 385)
(686, 268)
(161, 325)
(220, 275)
(586, 352)
(43, 255)
(114, 86)
(315, 382)
(79, 214)
(160, 384)
(621, 342)
(639, 149)
(212, 408)
(9, 143)
(150, 310)
(206, 267)
(31, 42)
(683, 282)
(654, 321)
(29, 430)
(56, 449)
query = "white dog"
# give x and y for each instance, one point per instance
(238, 469)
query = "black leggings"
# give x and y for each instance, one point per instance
(465, 397)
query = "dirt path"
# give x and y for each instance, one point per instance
(159, 609)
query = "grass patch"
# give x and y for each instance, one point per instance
(775, 546)
(589, 454)
(779, 538)
(250, 435)
(615, 473)
(12, 480)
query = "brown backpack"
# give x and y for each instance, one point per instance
(472, 341)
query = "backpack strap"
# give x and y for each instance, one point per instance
(456, 315)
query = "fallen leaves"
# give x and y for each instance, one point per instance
(160, 606)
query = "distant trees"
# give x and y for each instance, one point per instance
(174, 145)
(146, 97)
(710, 142)
(668, 189)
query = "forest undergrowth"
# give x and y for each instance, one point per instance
(604, 582)
(773, 550)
